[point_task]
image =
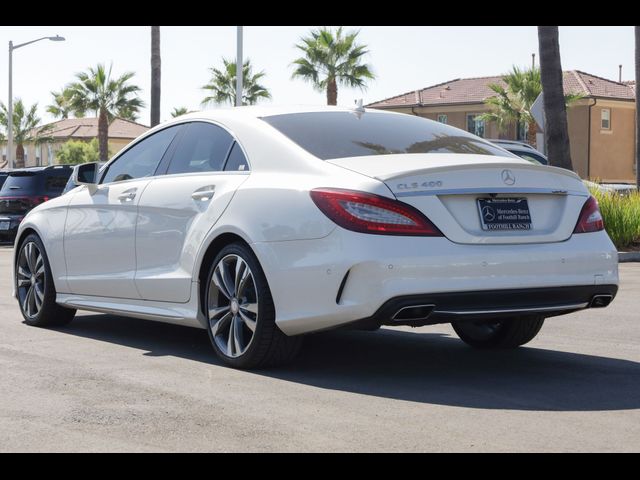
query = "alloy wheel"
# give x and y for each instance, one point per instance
(233, 306)
(30, 273)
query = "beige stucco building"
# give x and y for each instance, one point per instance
(601, 123)
(121, 133)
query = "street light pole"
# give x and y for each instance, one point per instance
(10, 117)
(239, 67)
(13, 47)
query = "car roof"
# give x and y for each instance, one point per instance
(39, 169)
(252, 113)
(258, 111)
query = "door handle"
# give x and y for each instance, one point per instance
(204, 194)
(127, 195)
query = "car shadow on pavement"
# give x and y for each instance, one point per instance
(412, 366)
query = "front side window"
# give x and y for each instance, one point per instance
(475, 125)
(605, 119)
(329, 135)
(142, 159)
(202, 148)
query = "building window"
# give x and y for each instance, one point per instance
(605, 119)
(475, 125)
(38, 154)
(442, 118)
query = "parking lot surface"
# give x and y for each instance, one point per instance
(107, 383)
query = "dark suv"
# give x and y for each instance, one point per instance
(26, 188)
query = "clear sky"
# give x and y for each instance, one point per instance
(403, 58)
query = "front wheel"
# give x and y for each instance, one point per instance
(242, 326)
(35, 289)
(510, 333)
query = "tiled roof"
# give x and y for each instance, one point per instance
(82, 128)
(476, 90)
(589, 85)
(631, 83)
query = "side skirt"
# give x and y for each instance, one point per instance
(187, 314)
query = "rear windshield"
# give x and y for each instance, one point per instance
(329, 135)
(22, 182)
(49, 183)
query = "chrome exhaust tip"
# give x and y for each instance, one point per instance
(600, 301)
(413, 313)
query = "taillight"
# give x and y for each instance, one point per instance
(35, 201)
(369, 213)
(590, 219)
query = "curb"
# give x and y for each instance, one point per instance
(628, 257)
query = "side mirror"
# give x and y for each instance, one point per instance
(86, 174)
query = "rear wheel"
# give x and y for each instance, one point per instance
(35, 289)
(510, 333)
(242, 326)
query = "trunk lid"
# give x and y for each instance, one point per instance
(447, 187)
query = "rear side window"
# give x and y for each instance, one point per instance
(329, 135)
(237, 162)
(202, 148)
(142, 159)
(55, 183)
(2, 179)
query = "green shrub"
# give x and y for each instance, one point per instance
(621, 215)
(77, 151)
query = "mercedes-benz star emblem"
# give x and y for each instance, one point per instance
(488, 214)
(508, 177)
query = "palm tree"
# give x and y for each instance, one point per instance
(3, 162)
(555, 110)
(223, 85)
(109, 97)
(637, 30)
(128, 113)
(512, 104)
(155, 76)
(25, 127)
(331, 59)
(61, 106)
(177, 111)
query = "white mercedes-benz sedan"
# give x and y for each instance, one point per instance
(263, 224)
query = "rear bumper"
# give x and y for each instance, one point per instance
(8, 235)
(310, 292)
(417, 310)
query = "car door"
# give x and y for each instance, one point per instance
(178, 209)
(99, 238)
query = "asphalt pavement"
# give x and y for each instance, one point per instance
(107, 383)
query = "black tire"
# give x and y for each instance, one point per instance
(268, 346)
(50, 314)
(496, 334)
